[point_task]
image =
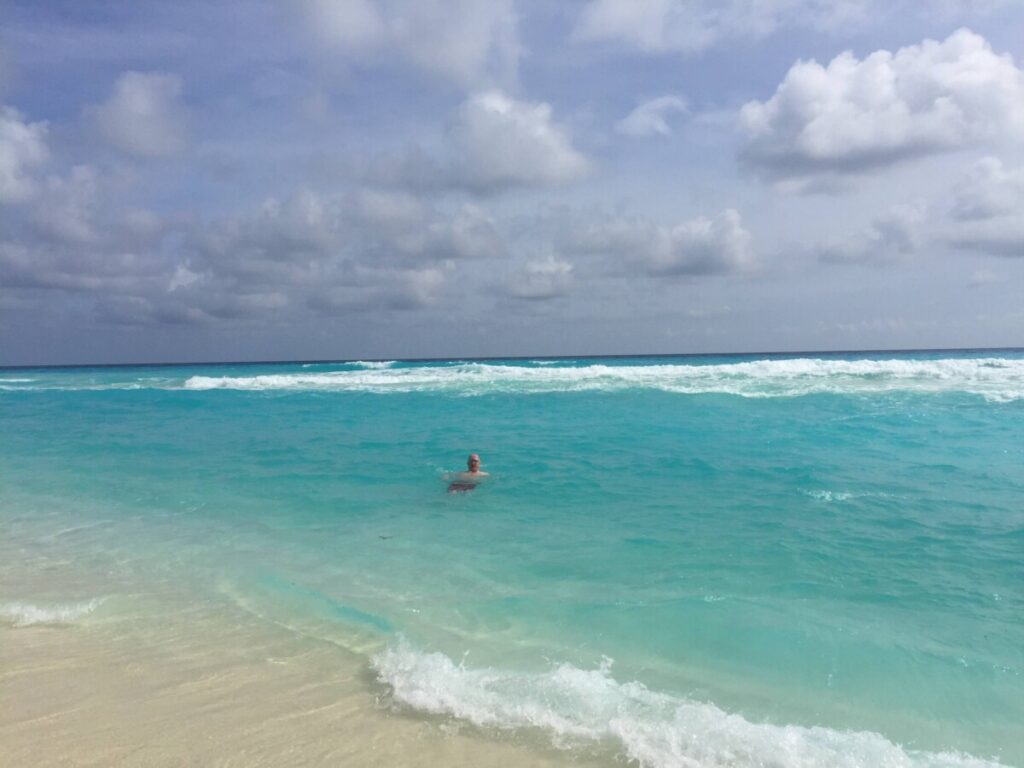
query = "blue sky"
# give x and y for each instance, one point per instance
(399, 178)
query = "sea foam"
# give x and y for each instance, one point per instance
(27, 614)
(577, 707)
(996, 379)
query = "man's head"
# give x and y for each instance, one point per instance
(473, 462)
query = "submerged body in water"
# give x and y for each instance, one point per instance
(820, 564)
(460, 482)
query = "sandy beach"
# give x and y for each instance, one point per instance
(145, 694)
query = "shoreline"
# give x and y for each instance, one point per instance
(138, 693)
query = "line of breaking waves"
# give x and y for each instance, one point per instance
(996, 379)
(579, 708)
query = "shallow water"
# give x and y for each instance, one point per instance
(810, 561)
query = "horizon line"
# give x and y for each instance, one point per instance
(511, 357)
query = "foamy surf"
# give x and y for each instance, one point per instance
(995, 379)
(577, 707)
(21, 614)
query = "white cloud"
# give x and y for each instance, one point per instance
(692, 26)
(1001, 236)
(898, 234)
(77, 235)
(144, 115)
(365, 250)
(701, 246)
(650, 118)
(540, 279)
(409, 288)
(468, 42)
(854, 114)
(990, 190)
(988, 210)
(500, 142)
(67, 207)
(22, 148)
(401, 226)
(369, 287)
(182, 278)
(493, 143)
(356, 25)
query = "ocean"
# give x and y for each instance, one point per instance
(760, 560)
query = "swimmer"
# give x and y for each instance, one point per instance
(468, 480)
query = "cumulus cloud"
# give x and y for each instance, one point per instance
(501, 142)
(854, 114)
(401, 226)
(897, 234)
(1002, 236)
(75, 236)
(364, 250)
(469, 43)
(692, 26)
(650, 118)
(990, 190)
(541, 279)
(701, 246)
(368, 287)
(22, 148)
(144, 115)
(305, 253)
(492, 143)
(988, 210)
(67, 209)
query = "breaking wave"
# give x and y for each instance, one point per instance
(28, 614)
(996, 379)
(577, 707)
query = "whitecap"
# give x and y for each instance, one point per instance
(27, 614)
(578, 707)
(996, 379)
(830, 495)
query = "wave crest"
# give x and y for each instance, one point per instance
(28, 614)
(576, 706)
(996, 379)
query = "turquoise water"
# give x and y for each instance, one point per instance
(786, 561)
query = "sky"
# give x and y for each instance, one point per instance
(380, 179)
